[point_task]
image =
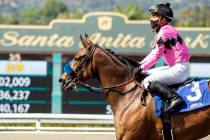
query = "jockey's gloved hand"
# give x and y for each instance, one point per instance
(137, 71)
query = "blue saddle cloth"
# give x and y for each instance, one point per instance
(195, 95)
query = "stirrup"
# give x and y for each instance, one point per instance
(172, 108)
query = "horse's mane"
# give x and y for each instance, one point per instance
(130, 64)
(125, 60)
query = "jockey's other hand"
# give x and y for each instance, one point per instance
(137, 71)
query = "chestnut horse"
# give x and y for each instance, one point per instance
(133, 120)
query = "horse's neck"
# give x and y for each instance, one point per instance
(112, 72)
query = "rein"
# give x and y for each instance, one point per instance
(93, 88)
(122, 84)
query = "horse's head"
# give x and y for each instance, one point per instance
(81, 68)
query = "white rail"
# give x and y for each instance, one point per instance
(17, 122)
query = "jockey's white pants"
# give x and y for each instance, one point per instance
(168, 75)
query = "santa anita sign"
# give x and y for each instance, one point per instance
(109, 30)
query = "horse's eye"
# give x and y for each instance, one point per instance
(78, 58)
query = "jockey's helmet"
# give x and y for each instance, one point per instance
(163, 10)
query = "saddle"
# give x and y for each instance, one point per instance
(176, 86)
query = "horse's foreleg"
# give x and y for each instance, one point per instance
(119, 132)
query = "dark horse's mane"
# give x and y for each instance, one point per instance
(130, 64)
(125, 60)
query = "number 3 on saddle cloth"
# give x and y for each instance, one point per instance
(195, 95)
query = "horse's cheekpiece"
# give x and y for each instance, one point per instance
(195, 95)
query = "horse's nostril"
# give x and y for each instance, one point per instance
(61, 80)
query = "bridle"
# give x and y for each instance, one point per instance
(87, 59)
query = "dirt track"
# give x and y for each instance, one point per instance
(16, 135)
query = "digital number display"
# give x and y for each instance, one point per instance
(14, 95)
(26, 84)
(14, 108)
(15, 81)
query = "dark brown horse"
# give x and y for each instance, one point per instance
(133, 120)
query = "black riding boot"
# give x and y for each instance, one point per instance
(166, 94)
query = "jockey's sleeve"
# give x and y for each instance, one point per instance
(157, 53)
(146, 58)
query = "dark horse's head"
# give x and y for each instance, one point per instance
(83, 67)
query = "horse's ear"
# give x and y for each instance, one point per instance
(83, 41)
(88, 41)
(86, 35)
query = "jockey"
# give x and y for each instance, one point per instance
(170, 46)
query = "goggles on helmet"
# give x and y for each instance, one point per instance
(153, 9)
